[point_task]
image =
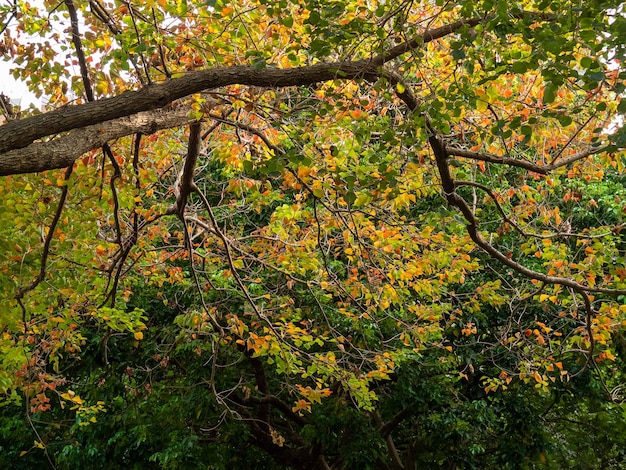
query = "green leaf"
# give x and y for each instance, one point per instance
(458, 54)
(349, 197)
(596, 76)
(549, 93)
(565, 120)
(586, 62)
(314, 18)
(520, 67)
(248, 166)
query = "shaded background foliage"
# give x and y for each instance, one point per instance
(392, 240)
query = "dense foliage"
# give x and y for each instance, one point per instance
(314, 235)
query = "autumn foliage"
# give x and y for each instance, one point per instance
(336, 234)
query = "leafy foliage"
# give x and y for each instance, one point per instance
(314, 234)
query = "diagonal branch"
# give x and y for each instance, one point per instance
(186, 185)
(78, 45)
(18, 134)
(15, 135)
(449, 188)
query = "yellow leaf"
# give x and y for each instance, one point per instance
(138, 335)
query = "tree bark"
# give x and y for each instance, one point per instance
(63, 151)
(22, 133)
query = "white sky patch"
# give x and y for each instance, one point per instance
(17, 91)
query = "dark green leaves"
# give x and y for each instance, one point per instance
(549, 92)
(520, 67)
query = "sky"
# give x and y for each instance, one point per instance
(17, 91)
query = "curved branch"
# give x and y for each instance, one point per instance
(449, 187)
(523, 232)
(19, 134)
(524, 164)
(49, 236)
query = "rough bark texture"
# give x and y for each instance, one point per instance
(20, 133)
(63, 151)
(92, 116)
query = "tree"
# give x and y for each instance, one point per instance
(314, 234)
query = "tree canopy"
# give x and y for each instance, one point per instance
(313, 234)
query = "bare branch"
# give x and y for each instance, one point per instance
(525, 164)
(49, 236)
(71, 8)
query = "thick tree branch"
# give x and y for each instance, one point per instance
(19, 134)
(391, 447)
(386, 428)
(63, 151)
(275, 401)
(263, 385)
